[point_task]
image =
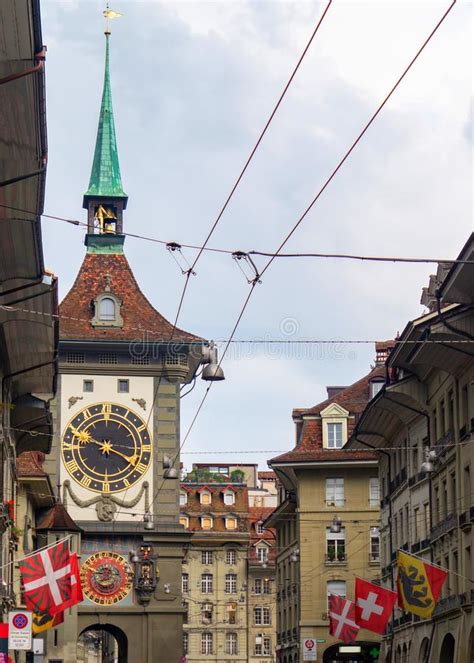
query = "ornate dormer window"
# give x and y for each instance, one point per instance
(107, 308)
(334, 424)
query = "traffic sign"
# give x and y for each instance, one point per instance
(310, 649)
(19, 629)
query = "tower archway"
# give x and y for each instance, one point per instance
(102, 643)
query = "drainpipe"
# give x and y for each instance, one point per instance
(390, 535)
(39, 59)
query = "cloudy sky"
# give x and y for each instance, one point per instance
(193, 84)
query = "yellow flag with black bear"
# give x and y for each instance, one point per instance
(419, 584)
(42, 621)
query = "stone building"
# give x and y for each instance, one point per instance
(422, 425)
(28, 294)
(261, 585)
(116, 448)
(327, 521)
(228, 571)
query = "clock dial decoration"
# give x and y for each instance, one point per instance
(106, 448)
(106, 578)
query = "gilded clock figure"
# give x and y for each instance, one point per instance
(106, 448)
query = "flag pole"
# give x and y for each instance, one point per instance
(443, 568)
(50, 545)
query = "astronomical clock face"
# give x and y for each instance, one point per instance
(106, 448)
(106, 578)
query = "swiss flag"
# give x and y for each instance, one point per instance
(76, 587)
(374, 605)
(47, 580)
(342, 623)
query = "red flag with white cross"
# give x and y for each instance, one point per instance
(47, 580)
(342, 623)
(374, 605)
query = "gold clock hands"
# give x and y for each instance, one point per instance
(107, 447)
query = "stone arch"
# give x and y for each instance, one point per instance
(117, 634)
(447, 649)
(404, 653)
(424, 648)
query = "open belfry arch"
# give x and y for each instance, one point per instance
(116, 416)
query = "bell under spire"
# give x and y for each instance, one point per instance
(105, 180)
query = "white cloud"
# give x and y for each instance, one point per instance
(193, 84)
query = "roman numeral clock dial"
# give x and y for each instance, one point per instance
(106, 448)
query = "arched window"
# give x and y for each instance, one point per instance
(231, 643)
(107, 309)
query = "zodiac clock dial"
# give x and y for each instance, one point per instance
(106, 578)
(106, 448)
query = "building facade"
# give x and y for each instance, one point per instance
(422, 425)
(228, 571)
(28, 294)
(327, 521)
(116, 448)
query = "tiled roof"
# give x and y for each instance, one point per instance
(136, 311)
(57, 519)
(353, 398)
(194, 510)
(30, 464)
(323, 456)
(310, 444)
(267, 475)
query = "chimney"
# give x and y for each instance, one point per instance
(333, 391)
(382, 350)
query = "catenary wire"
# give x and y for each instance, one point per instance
(306, 212)
(269, 254)
(190, 271)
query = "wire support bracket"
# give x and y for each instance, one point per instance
(174, 248)
(240, 256)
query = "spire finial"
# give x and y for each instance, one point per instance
(109, 14)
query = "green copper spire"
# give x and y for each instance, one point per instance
(105, 180)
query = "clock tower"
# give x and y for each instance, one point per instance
(116, 450)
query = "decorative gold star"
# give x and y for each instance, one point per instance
(106, 447)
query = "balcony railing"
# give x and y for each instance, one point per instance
(445, 442)
(416, 478)
(338, 558)
(399, 479)
(443, 527)
(467, 598)
(443, 606)
(466, 518)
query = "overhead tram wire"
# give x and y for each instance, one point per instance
(260, 340)
(303, 216)
(268, 254)
(190, 271)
